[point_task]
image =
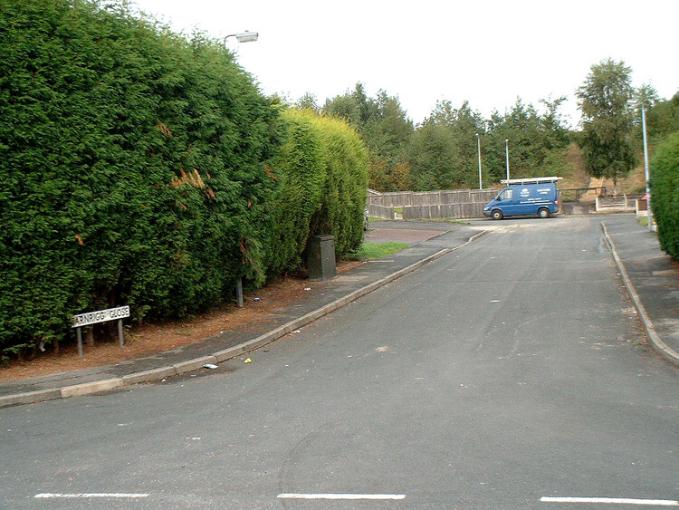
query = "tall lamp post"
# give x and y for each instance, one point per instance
(507, 156)
(646, 170)
(478, 143)
(244, 37)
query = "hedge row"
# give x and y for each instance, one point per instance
(141, 168)
(343, 201)
(323, 168)
(665, 198)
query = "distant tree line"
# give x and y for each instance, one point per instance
(442, 152)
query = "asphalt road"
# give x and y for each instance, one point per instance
(506, 372)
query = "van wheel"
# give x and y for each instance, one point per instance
(497, 214)
(543, 213)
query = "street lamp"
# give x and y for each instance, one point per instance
(478, 142)
(507, 156)
(244, 37)
(646, 170)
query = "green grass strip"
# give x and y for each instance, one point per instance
(371, 251)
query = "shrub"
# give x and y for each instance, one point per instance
(132, 163)
(322, 174)
(665, 195)
(300, 172)
(345, 191)
(132, 168)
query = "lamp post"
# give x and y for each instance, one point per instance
(478, 143)
(244, 37)
(646, 170)
(507, 156)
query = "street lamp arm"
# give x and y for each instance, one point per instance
(243, 37)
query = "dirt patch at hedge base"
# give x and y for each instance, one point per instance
(154, 338)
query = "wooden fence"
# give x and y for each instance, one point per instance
(429, 204)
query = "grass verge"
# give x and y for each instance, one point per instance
(371, 251)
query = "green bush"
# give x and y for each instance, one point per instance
(133, 171)
(132, 168)
(322, 176)
(345, 191)
(665, 195)
(300, 172)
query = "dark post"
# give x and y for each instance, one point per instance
(90, 336)
(239, 292)
(121, 336)
(79, 334)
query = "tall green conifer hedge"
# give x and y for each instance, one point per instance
(140, 168)
(322, 178)
(131, 163)
(300, 170)
(665, 194)
(344, 194)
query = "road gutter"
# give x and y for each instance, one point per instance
(657, 342)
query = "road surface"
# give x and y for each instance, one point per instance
(509, 374)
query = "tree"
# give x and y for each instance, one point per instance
(307, 102)
(443, 151)
(663, 118)
(384, 127)
(433, 157)
(605, 100)
(645, 96)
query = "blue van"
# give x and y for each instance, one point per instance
(538, 196)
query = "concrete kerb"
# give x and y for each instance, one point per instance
(30, 397)
(193, 364)
(153, 375)
(91, 387)
(158, 374)
(657, 343)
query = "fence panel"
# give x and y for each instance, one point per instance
(431, 204)
(381, 211)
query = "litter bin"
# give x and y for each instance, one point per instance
(321, 257)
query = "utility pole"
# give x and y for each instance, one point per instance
(507, 156)
(646, 170)
(478, 141)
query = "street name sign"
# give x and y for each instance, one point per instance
(111, 314)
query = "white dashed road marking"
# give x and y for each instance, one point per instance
(342, 496)
(88, 495)
(614, 501)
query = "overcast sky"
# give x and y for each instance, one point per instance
(488, 52)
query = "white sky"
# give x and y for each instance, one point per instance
(487, 51)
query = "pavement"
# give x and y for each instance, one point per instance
(427, 242)
(651, 277)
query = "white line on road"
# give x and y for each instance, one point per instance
(86, 495)
(341, 496)
(614, 501)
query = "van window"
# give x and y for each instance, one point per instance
(506, 194)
